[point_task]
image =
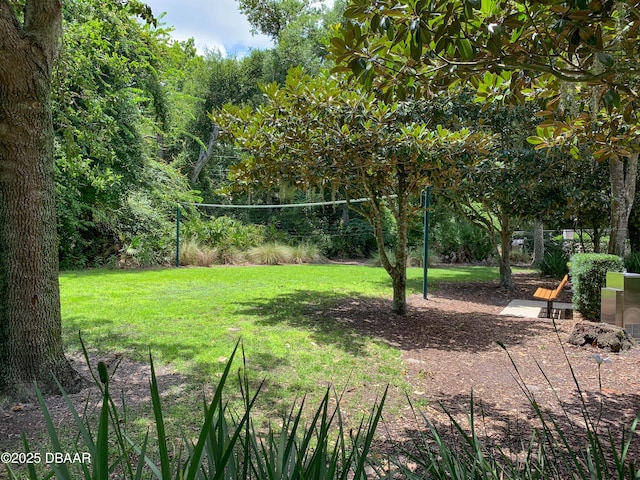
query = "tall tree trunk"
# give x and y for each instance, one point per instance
(538, 243)
(399, 276)
(506, 278)
(398, 269)
(596, 239)
(623, 174)
(30, 320)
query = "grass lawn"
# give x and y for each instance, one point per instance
(190, 318)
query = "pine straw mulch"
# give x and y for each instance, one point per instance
(449, 347)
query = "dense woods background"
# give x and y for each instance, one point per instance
(132, 118)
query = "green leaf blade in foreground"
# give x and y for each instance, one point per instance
(61, 470)
(163, 450)
(196, 456)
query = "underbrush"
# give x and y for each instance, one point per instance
(193, 253)
(324, 445)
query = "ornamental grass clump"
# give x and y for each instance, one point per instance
(271, 254)
(194, 254)
(306, 253)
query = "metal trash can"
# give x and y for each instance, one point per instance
(620, 301)
(611, 305)
(631, 311)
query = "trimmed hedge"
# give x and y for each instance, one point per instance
(588, 276)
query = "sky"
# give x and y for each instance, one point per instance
(213, 24)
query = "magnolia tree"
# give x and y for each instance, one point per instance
(320, 133)
(500, 190)
(582, 56)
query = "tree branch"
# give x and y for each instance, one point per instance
(43, 23)
(10, 35)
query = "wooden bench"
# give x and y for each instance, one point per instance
(551, 295)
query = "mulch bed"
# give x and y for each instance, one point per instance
(450, 347)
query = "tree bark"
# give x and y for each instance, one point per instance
(634, 229)
(596, 239)
(623, 175)
(398, 269)
(399, 276)
(30, 319)
(205, 155)
(538, 243)
(504, 260)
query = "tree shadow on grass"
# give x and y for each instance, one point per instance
(348, 320)
(123, 342)
(305, 310)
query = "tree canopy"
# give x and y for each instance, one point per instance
(316, 133)
(419, 47)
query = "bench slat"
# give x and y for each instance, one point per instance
(544, 293)
(550, 295)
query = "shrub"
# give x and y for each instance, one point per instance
(588, 276)
(555, 260)
(192, 253)
(632, 262)
(520, 256)
(271, 254)
(353, 240)
(224, 233)
(461, 241)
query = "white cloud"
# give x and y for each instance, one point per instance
(213, 24)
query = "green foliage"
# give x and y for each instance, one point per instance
(483, 37)
(632, 262)
(226, 234)
(555, 262)
(354, 240)
(459, 240)
(321, 444)
(114, 121)
(299, 28)
(507, 51)
(588, 276)
(321, 133)
(228, 443)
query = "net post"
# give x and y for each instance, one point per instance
(425, 258)
(177, 235)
